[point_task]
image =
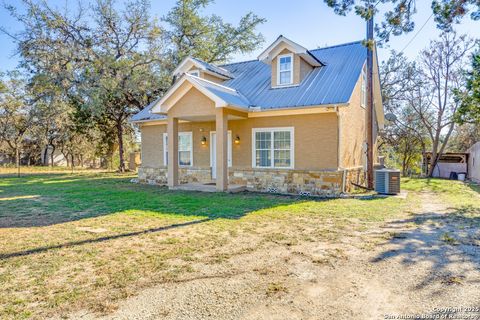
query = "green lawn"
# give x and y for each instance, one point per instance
(86, 240)
(455, 193)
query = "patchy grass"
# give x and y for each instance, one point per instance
(454, 193)
(86, 240)
(28, 170)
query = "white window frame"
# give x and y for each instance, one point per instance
(291, 69)
(272, 149)
(363, 88)
(165, 149)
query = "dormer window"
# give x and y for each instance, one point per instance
(285, 72)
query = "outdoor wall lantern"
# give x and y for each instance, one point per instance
(237, 139)
(203, 141)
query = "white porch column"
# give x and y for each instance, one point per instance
(172, 132)
(221, 121)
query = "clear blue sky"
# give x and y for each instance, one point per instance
(308, 22)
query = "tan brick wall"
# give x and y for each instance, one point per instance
(352, 131)
(152, 149)
(315, 140)
(193, 103)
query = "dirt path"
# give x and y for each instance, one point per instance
(428, 261)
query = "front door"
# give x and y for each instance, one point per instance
(213, 152)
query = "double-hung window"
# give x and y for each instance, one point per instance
(364, 88)
(185, 152)
(272, 148)
(284, 67)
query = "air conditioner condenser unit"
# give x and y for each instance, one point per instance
(387, 181)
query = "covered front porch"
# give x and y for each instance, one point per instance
(219, 143)
(192, 99)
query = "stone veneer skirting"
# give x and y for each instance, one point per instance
(186, 175)
(355, 175)
(325, 183)
(304, 182)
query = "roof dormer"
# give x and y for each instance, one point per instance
(202, 69)
(290, 62)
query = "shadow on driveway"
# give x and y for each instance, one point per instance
(449, 242)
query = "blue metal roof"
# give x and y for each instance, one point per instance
(214, 68)
(332, 83)
(146, 115)
(230, 96)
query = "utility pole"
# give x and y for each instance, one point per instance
(370, 111)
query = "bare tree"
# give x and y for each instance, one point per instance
(405, 136)
(440, 66)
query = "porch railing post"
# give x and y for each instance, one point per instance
(172, 134)
(221, 122)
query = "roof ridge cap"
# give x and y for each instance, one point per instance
(238, 62)
(337, 45)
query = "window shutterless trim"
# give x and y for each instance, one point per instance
(278, 69)
(165, 150)
(272, 147)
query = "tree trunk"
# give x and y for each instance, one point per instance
(121, 165)
(404, 165)
(17, 159)
(52, 156)
(437, 153)
(67, 159)
(45, 156)
(442, 148)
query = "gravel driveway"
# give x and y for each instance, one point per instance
(415, 266)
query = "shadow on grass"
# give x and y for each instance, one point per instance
(27, 252)
(474, 187)
(448, 241)
(44, 200)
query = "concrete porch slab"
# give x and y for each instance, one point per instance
(232, 188)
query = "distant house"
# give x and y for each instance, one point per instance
(474, 162)
(292, 121)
